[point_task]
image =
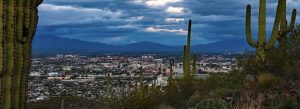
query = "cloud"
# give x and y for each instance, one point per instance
(127, 26)
(157, 3)
(175, 10)
(174, 19)
(63, 14)
(155, 29)
(161, 2)
(135, 18)
(215, 18)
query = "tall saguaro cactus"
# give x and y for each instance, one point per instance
(187, 54)
(188, 73)
(261, 45)
(187, 70)
(62, 104)
(284, 28)
(18, 21)
(109, 90)
(188, 48)
(170, 79)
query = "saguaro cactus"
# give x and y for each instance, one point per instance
(188, 73)
(187, 55)
(284, 28)
(188, 49)
(142, 85)
(194, 71)
(170, 79)
(17, 27)
(109, 90)
(261, 45)
(62, 104)
(184, 61)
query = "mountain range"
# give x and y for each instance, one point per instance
(52, 44)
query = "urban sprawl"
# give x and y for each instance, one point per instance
(84, 75)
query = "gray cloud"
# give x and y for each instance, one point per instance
(160, 21)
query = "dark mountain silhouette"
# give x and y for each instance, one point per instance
(149, 46)
(53, 44)
(234, 45)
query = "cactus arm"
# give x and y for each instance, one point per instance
(293, 20)
(141, 91)
(283, 21)
(188, 49)
(262, 23)
(170, 79)
(31, 20)
(248, 27)
(108, 88)
(2, 22)
(62, 104)
(184, 62)
(27, 25)
(2, 34)
(171, 71)
(282, 42)
(38, 3)
(19, 56)
(194, 66)
(281, 37)
(9, 41)
(274, 33)
(284, 30)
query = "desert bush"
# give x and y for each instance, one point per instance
(280, 102)
(70, 103)
(212, 104)
(164, 106)
(267, 80)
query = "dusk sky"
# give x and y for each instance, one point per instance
(120, 22)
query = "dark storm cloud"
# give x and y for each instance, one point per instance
(160, 21)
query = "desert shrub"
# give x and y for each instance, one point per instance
(196, 98)
(280, 102)
(164, 106)
(212, 104)
(70, 103)
(288, 104)
(267, 80)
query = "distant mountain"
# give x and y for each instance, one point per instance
(149, 46)
(54, 44)
(235, 45)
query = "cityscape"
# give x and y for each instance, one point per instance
(84, 75)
